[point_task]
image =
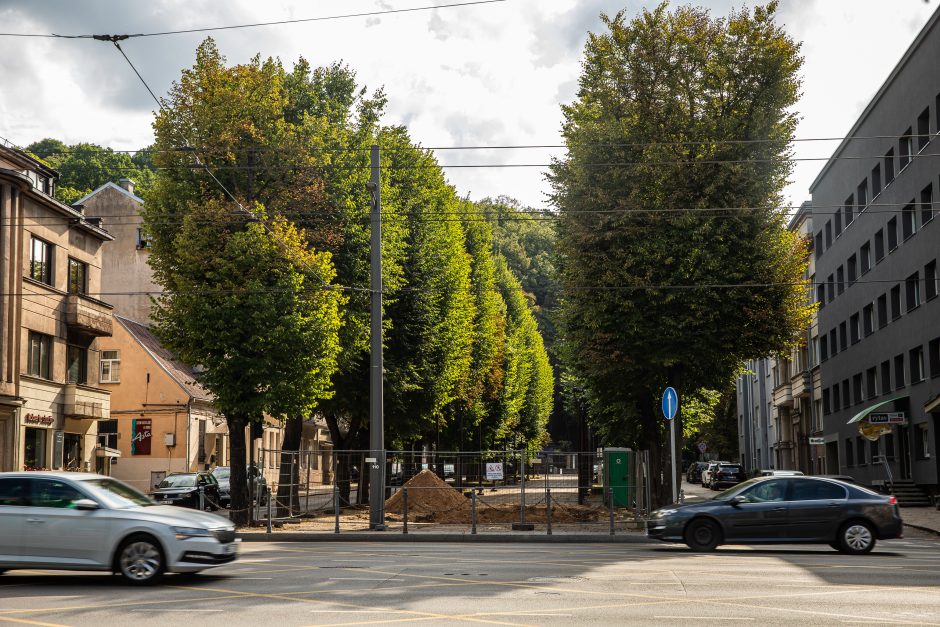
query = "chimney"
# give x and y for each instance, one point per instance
(128, 185)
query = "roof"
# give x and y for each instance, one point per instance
(921, 36)
(184, 376)
(110, 185)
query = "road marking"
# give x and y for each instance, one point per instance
(364, 579)
(24, 621)
(178, 610)
(718, 618)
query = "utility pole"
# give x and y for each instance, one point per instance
(376, 371)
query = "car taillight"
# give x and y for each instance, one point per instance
(893, 500)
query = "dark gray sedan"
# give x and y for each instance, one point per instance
(776, 510)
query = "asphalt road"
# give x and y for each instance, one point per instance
(286, 584)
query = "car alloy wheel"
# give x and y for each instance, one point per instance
(140, 561)
(856, 537)
(702, 535)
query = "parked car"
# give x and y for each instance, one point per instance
(706, 474)
(694, 473)
(90, 522)
(779, 473)
(810, 510)
(223, 475)
(182, 488)
(726, 475)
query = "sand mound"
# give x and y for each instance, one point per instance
(427, 493)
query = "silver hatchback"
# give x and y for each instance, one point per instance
(78, 521)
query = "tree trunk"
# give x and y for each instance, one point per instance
(288, 503)
(238, 482)
(660, 488)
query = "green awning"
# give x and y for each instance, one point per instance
(864, 413)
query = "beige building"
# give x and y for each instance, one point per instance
(50, 323)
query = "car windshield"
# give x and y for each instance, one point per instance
(731, 468)
(115, 494)
(736, 490)
(178, 481)
(222, 473)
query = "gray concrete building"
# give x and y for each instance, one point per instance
(876, 246)
(757, 432)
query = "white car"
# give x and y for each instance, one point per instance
(81, 521)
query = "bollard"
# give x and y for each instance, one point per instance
(336, 506)
(473, 513)
(548, 511)
(290, 506)
(202, 500)
(269, 515)
(404, 495)
(522, 489)
(610, 495)
(681, 496)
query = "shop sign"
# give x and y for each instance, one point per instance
(142, 432)
(36, 419)
(58, 449)
(814, 441)
(888, 418)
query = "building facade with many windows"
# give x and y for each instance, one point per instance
(876, 249)
(50, 322)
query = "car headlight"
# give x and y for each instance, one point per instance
(191, 532)
(665, 512)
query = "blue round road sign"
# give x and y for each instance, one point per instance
(670, 403)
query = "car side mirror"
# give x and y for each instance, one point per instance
(86, 504)
(734, 501)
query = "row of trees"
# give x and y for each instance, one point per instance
(259, 220)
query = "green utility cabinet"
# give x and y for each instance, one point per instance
(618, 476)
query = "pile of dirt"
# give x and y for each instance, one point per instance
(428, 496)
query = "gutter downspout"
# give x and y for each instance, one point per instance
(189, 432)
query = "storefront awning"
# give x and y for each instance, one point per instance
(104, 451)
(868, 410)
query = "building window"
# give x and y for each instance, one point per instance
(848, 210)
(882, 311)
(40, 261)
(838, 222)
(913, 291)
(142, 240)
(833, 347)
(845, 393)
(823, 348)
(76, 363)
(854, 329)
(860, 450)
(821, 295)
(895, 302)
(108, 433)
(828, 235)
(888, 161)
(899, 379)
(879, 245)
(40, 353)
(917, 364)
(892, 234)
(852, 266)
(886, 376)
(908, 221)
(926, 205)
(876, 180)
(933, 349)
(862, 195)
(843, 336)
(818, 249)
(34, 449)
(873, 447)
(849, 458)
(78, 277)
(868, 319)
(827, 409)
(931, 281)
(865, 257)
(871, 382)
(905, 149)
(857, 388)
(889, 446)
(832, 288)
(110, 367)
(840, 278)
(836, 399)
(923, 441)
(923, 129)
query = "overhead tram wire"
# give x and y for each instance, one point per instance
(259, 24)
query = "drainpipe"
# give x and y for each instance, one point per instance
(189, 432)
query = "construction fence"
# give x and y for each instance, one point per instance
(464, 491)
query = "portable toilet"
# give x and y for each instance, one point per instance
(618, 476)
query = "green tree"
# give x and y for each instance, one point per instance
(663, 130)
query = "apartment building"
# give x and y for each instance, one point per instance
(51, 323)
(757, 418)
(876, 246)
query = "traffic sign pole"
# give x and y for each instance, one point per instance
(670, 407)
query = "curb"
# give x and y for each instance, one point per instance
(921, 528)
(300, 536)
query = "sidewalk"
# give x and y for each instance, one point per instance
(923, 518)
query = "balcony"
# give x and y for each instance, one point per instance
(783, 395)
(86, 403)
(88, 315)
(802, 384)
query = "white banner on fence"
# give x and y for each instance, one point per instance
(494, 471)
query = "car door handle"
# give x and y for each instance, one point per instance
(779, 509)
(35, 520)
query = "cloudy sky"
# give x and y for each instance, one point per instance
(485, 75)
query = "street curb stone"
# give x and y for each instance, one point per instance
(922, 528)
(299, 536)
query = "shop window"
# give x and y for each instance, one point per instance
(76, 363)
(40, 261)
(73, 452)
(917, 364)
(110, 367)
(926, 205)
(34, 449)
(40, 355)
